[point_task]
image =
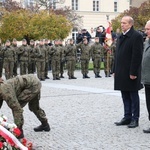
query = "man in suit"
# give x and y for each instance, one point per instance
(146, 70)
(127, 71)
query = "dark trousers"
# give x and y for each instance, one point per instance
(147, 95)
(131, 104)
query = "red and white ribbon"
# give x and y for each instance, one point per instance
(11, 139)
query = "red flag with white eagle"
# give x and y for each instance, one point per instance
(108, 36)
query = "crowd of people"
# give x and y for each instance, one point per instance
(42, 56)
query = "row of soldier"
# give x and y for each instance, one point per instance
(32, 58)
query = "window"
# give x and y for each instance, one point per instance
(115, 7)
(95, 5)
(74, 4)
(74, 34)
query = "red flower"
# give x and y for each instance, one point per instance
(1, 145)
(29, 146)
(16, 131)
(24, 141)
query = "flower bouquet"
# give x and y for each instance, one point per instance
(8, 137)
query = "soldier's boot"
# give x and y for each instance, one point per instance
(86, 76)
(98, 76)
(22, 134)
(72, 77)
(61, 76)
(43, 127)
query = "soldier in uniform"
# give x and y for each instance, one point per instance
(62, 62)
(1, 58)
(108, 58)
(19, 91)
(40, 53)
(9, 59)
(71, 57)
(31, 66)
(97, 53)
(85, 57)
(56, 54)
(47, 57)
(14, 45)
(23, 54)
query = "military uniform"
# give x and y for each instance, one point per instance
(31, 66)
(16, 59)
(23, 54)
(56, 54)
(9, 59)
(97, 54)
(85, 58)
(71, 56)
(40, 53)
(19, 91)
(1, 59)
(47, 60)
(62, 61)
(108, 58)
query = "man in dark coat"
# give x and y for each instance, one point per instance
(127, 70)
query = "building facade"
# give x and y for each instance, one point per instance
(136, 3)
(94, 12)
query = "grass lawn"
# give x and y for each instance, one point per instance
(78, 65)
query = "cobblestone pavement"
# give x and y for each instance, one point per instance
(82, 113)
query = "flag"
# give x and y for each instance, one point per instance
(108, 36)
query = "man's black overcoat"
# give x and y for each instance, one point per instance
(128, 59)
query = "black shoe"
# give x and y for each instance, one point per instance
(123, 122)
(57, 78)
(42, 128)
(133, 124)
(62, 76)
(54, 78)
(146, 130)
(69, 78)
(98, 76)
(47, 77)
(83, 76)
(42, 79)
(86, 76)
(73, 77)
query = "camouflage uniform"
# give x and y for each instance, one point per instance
(71, 56)
(85, 58)
(9, 59)
(31, 67)
(56, 54)
(23, 54)
(16, 59)
(62, 61)
(1, 59)
(19, 91)
(40, 53)
(97, 54)
(113, 49)
(47, 60)
(108, 59)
